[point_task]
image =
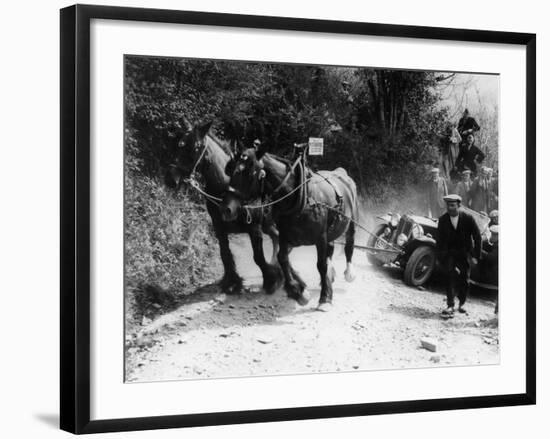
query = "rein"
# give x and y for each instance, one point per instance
(216, 200)
(195, 184)
(278, 200)
(201, 156)
(301, 187)
(287, 176)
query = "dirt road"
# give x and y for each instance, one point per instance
(376, 322)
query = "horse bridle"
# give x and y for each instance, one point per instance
(196, 147)
(201, 156)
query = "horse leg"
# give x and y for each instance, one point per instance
(295, 274)
(274, 235)
(325, 298)
(270, 273)
(331, 272)
(231, 282)
(349, 274)
(293, 288)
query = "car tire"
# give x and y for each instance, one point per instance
(371, 242)
(420, 266)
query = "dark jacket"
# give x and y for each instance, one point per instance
(465, 239)
(469, 158)
(467, 125)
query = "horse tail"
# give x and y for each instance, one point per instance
(349, 274)
(350, 242)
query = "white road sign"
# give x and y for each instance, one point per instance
(315, 146)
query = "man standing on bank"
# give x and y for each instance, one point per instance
(436, 189)
(458, 239)
(467, 124)
(464, 186)
(469, 156)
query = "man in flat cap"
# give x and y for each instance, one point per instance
(435, 191)
(458, 238)
(484, 191)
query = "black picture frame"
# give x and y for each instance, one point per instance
(75, 217)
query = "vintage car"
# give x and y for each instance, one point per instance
(409, 241)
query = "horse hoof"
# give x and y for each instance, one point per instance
(233, 289)
(324, 307)
(349, 274)
(269, 290)
(269, 287)
(303, 299)
(273, 279)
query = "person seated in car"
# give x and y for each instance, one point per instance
(493, 217)
(490, 245)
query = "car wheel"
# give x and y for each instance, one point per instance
(375, 242)
(420, 266)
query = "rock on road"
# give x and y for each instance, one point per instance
(376, 322)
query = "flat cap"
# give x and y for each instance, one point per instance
(434, 170)
(452, 198)
(493, 213)
(466, 171)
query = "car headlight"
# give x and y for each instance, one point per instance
(417, 231)
(401, 240)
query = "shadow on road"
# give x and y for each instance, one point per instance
(209, 308)
(416, 312)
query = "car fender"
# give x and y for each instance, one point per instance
(417, 242)
(386, 218)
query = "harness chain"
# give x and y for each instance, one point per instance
(195, 184)
(216, 200)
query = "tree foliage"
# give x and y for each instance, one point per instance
(381, 125)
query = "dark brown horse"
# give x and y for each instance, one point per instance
(318, 219)
(199, 151)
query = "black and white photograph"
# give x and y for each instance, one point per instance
(286, 219)
(273, 220)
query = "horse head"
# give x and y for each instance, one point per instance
(190, 149)
(246, 173)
